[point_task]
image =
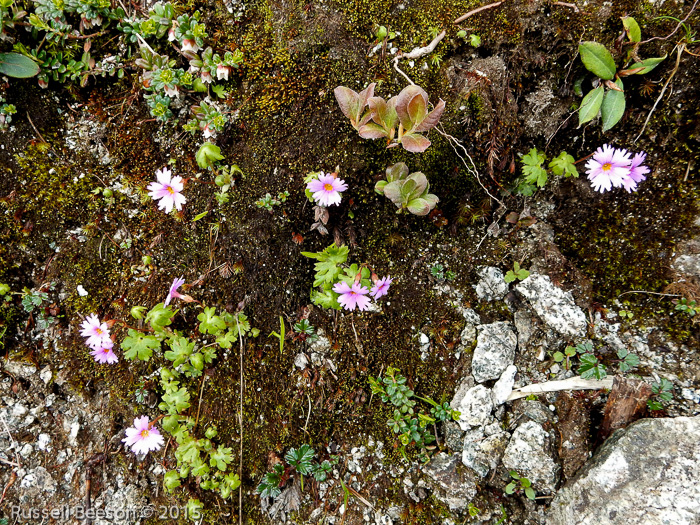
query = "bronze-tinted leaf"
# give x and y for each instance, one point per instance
(421, 183)
(404, 99)
(431, 119)
(419, 207)
(383, 112)
(372, 131)
(415, 143)
(352, 103)
(393, 192)
(396, 172)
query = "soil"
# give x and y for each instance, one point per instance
(512, 93)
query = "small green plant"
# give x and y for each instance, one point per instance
(407, 192)
(662, 393)
(520, 485)
(687, 307)
(437, 270)
(279, 335)
(409, 425)
(535, 175)
(473, 39)
(473, 510)
(400, 120)
(516, 273)
(304, 331)
(625, 314)
(299, 460)
(610, 102)
(268, 202)
(6, 112)
(590, 366)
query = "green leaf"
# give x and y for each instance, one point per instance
(226, 340)
(510, 488)
(171, 480)
(160, 316)
(208, 154)
(200, 216)
(221, 457)
(187, 452)
(647, 64)
(590, 105)
(300, 459)
(530, 493)
(219, 91)
(523, 274)
(564, 165)
(597, 59)
(590, 367)
(510, 276)
(327, 269)
(175, 402)
(210, 323)
(17, 66)
(180, 351)
(634, 33)
(558, 357)
(613, 106)
(139, 346)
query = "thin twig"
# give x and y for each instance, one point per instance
(680, 48)
(240, 423)
(566, 4)
(650, 293)
(573, 383)
(475, 11)
(309, 414)
(417, 52)
(199, 405)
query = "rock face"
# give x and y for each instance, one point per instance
(529, 453)
(554, 306)
(645, 474)
(495, 350)
(492, 285)
(454, 484)
(475, 408)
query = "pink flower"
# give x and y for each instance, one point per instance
(381, 287)
(143, 437)
(189, 45)
(351, 297)
(208, 132)
(104, 354)
(167, 190)
(171, 32)
(609, 167)
(222, 72)
(97, 333)
(637, 172)
(171, 92)
(206, 77)
(326, 189)
(173, 290)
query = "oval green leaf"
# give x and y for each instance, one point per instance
(613, 107)
(632, 29)
(647, 64)
(17, 66)
(597, 59)
(590, 106)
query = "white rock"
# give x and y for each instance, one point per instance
(475, 408)
(553, 305)
(492, 285)
(504, 386)
(495, 350)
(46, 375)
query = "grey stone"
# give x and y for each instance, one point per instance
(495, 350)
(525, 326)
(454, 436)
(530, 453)
(453, 484)
(492, 285)
(553, 305)
(23, 370)
(35, 482)
(483, 455)
(645, 474)
(688, 264)
(504, 386)
(475, 407)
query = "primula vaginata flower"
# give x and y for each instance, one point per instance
(326, 189)
(167, 191)
(352, 296)
(96, 333)
(179, 281)
(381, 287)
(637, 172)
(105, 354)
(609, 167)
(143, 437)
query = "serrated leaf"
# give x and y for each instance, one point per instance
(139, 346)
(300, 458)
(590, 105)
(210, 323)
(613, 106)
(591, 368)
(175, 402)
(564, 165)
(159, 316)
(181, 349)
(634, 33)
(171, 480)
(597, 59)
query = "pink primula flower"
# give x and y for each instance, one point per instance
(637, 172)
(173, 290)
(143, 437)
(350, 297)
(326, 189)
(105, 354)
(381, 287)
(609, 167)
(167, 191)
(96, 333)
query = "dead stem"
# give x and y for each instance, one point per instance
(240, 423)
(475, 11)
